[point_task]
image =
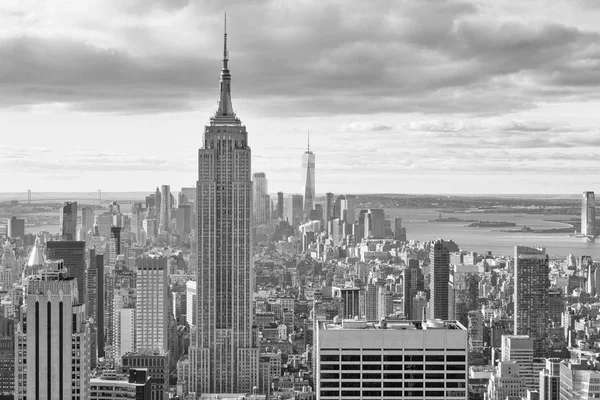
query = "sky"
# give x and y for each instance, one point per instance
(399, 96)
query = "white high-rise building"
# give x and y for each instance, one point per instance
(308, 180)
(396, 360)
(124, 333)
(260, 208)
(152, 304)
(519, 349)
(191, 297)
(588, 214)
(224, 352)
(52, 340)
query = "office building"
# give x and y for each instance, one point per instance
(385, 303)
(183, 218)
(223, 352)
(412, 283)
(294, 210)
(7, 355)
(506, 382)
(73, 255)
(373, 221)
(114, 386)
(578, 381)
(68, 221)
(399, 230)
(519, 349)
(15, 228)
(280, 205)
(531, 269)
(328, 208)
(260, 205)
(308, 180)
(588, 214)
(439, 280)
(466, 294)
(351, 300)
(405, 359)
(94, 304)
(53, 339)
(152, 307)
(549, 388)
(157, 365)
(164, 225)
(87, 218)
(371, 297)
(124, 330)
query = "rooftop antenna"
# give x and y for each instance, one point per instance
(308, 148)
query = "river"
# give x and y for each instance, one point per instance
(482, 240)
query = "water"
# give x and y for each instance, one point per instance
(482, 240)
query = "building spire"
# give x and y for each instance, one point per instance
(308, 147)
(225, 107)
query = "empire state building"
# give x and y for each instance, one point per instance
(224, 352)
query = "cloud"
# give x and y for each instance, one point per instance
(300, 58)
(365, 127)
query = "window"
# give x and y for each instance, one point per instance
(413, 357)
(330, 357)
(413, 393)
(349, 376)
(434, 384)
(351, 367)
(329, 367)
(350, 357)
(439, 358)
(455, 384)
(392, 376)
(351, 384)
(434, 367)
(371, 393)
(415, 376)
(371, 357)
(348, 393)
(455, 376)
(371, 367)
(434, 393)
(454, 367)
(371, 376)
(371, 384)
(434, 376)
(392, 393)
(330, 376)
(392, 358)
(413, 367)
(327, 393)
(392, 367)
(410, 384)
(330, 384)
(451, 358)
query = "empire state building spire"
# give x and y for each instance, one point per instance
(225, 107)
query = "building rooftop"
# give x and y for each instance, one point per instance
(393, 325)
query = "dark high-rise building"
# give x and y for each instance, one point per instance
(280, 205)
(15, 228)
(399, 230)
(94, 304)
(115, 234)
(439, 279)
(73, 255)
(351, 300)
(531, 296)
(68, 221)
(224, 351)
(328, 209)
(87, 218)
(412, 283)
(183, 218)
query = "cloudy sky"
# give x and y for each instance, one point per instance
(400, 96)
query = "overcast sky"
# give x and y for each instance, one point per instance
(417, 96)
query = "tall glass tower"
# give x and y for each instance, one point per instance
(224, 353)
(308, 180)
(588, 214)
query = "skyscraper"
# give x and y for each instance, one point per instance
(165, 209)
(87, 219)
(588, 214)
(73, 255)
(68, 221)
(152, 308)
(308, 179)
(223, 353)
(439, 279)
(260, 190)
(328, 209)
(15, 228)
(531, 295)
(412, 283)
(95, 299)
(280, 205)
(53, 345)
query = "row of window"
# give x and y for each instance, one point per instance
(390, 384)
(393, 367)
(335, 375)
(392, 393)
(393, 358)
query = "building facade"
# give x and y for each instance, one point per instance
(407, 359)
(308, 180)
(439, 279)
(588, 214)
(68, 221)
(73, 255)
(52, 346)
(260, 207)
(531, 285)
(164, 225)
